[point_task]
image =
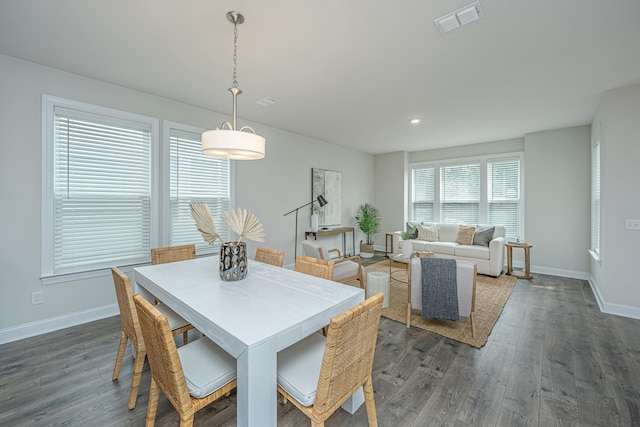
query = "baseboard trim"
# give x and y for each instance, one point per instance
(32, 329)
(572, 274)
(609, 308)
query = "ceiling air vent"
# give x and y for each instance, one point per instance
(266, 102)
(453, 20)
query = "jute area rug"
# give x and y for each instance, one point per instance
(491, 296)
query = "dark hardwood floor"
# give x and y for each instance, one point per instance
(552, 359)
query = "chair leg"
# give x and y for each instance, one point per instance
(473, 325)
(154, 394)
(138, 364)
(370, 403)
(119, 356)
(187, 422)
(185, 337)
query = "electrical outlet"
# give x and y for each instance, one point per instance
(632, 224)
(36, 298)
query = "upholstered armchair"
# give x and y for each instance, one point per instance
(466, 275)
(345, 269)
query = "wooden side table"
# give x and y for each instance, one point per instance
(387, 237)
(526, 274)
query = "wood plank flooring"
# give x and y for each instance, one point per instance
(552, 359)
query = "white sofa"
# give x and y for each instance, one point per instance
(489, 259)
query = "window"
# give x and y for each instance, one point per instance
(460, 193)
(102, 193)
(97, 204)
(423, 200)
(485, 190)
(193, 176)
(596, 212)
(503, 194)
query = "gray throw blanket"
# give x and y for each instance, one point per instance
(439, 288)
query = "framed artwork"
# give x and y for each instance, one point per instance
(328, 184)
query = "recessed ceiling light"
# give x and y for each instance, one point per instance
(414, 121)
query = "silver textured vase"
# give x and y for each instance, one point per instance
(233, 261)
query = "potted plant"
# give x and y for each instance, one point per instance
(407, 246)
(368, 220)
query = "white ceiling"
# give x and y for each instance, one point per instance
(351, 72)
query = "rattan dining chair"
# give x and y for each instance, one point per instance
(191, 376)
(319, 374)
(173, 253)
(131, 330)
(314, 266)
(345, 269)
(270, 256)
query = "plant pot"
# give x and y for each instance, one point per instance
(407, 248)
(233, 261)
(366, 251)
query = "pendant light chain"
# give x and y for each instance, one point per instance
(235, 55)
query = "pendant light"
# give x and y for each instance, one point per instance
(228, 141)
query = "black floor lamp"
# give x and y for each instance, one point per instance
(321, 201)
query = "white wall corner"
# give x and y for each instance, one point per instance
(611, 308)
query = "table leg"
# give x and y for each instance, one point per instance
(344, 244)
(257, 378)
(352, 404)
(509, 260)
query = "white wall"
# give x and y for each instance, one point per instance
(390, 194)
(269, 187)
(615, 278)
(557, 200)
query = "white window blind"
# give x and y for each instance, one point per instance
(595, 193)
(101, 186)
(460, 193)
(503, 194)
(195, 177)
(423, 198)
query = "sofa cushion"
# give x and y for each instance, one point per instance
(428, 233)
(445, 248)
(446, 232)
(483, 236)
(473, 251)
(465, 235)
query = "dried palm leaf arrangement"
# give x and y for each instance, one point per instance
(240, 221)
(244, 224)
(233, 256)
(202, 215)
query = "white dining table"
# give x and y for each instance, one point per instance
(252, 319)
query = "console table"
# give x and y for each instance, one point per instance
(334, 231)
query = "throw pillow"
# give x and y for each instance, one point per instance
(427, 233)
(465, 235)
(411, 225)
(483, 236)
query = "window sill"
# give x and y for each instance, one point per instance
(82, 275)
(92, 274)
(595, 256)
